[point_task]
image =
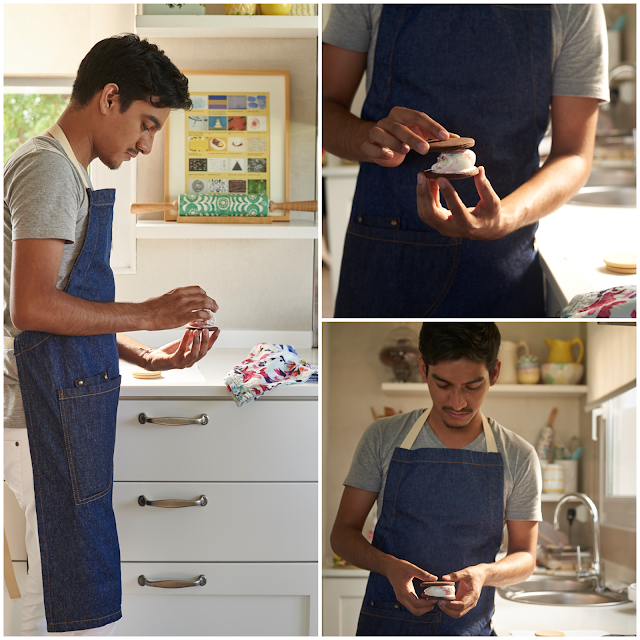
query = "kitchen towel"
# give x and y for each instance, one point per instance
(268, 366)
(617, 302)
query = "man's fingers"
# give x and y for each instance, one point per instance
(387, 139)
(456, 206)
(485, 190)
(376, 152)
(418, 119)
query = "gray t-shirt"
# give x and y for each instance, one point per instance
(579, 54)
(44, 197)
(522, 473)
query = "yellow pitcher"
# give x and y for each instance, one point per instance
(560, 350)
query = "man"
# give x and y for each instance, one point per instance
(446, 479)
(62, 331)
(489, 72)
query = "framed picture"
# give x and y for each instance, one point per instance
(234, 142)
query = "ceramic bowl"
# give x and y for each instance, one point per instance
(562, 373)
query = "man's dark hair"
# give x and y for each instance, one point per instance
(476, 341)
(139, 68)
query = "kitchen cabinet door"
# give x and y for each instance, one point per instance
(266, 599)
(241, 522)
(341, 604)
(266, 441)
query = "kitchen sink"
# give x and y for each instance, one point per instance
(605, 177)
(561, 592)
(606, 196)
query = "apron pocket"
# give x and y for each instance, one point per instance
(392, 619)
(89, 423)
(390, 273)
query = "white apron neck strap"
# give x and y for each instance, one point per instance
(58, 134)
(419, 423)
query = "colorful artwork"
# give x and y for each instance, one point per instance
(227, 148)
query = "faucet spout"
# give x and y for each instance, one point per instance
(596, 571)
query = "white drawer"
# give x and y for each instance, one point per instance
(265, 441)
(241, 522)
(238, 599)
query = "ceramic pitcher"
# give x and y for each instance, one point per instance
(508, 356)
(560, 350)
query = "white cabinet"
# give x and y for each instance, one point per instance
(254, 537)
(342, 594)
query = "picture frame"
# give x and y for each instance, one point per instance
(274, 84)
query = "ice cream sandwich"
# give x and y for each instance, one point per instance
(439, 590)
(456, 160)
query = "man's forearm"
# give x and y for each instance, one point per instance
(513, 568)
(353, 547)
(68, 315)
(343, 133)
(551, 187)
(131, 350)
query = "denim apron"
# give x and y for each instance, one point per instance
(70, 387)
(480, 71)
(442, 511)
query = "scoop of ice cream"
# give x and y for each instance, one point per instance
(203, 323)
(440, 591)
(456, 161)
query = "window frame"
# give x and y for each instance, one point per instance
(123, 245)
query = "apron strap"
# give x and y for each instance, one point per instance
(419, 423)
(58, 134)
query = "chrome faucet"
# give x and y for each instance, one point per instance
(596, 572)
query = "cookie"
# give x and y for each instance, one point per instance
(621, 262)
(451, 176)
(143, 374)
(450, 145)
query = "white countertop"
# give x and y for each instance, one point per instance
(573, 242)
(205, 378)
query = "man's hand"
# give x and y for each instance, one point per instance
(470, 583)
(177, 307)
(488, 220)
(400, 574)
(402, 130)
(183, 353)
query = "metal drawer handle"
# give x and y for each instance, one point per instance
(172, 584)
(172, 504)
(172, 422)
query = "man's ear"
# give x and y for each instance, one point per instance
(109, 99)
(495, 373)
(423, 369)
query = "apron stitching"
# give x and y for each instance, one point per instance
(67, 440)
(419, 244)
(473, 464)
(384, 102)
(44, 537)
(88, 395)
(88, 619)
(394, 503)
(445, 290)
(377, 615)
(34, 346)
(533, 75)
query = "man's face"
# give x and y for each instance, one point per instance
(458, 389)
(131, 132)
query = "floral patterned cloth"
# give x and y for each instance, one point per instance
(617, 302)
(268, 366)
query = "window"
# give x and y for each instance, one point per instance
(618, 460)
(31, 105)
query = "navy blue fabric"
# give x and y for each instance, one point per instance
(70, 388)
(480, 71)
(442, 511)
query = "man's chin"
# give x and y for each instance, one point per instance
(460, 423)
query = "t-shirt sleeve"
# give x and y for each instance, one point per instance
(43, 197)
(349, 27)
(366, 468)
(524, 501)
(581, 65)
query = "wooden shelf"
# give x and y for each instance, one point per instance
(181, 26)
(293, 230)
(498, 390)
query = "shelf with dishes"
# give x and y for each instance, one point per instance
(223, 26)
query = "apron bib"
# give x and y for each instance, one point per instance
(442, 511)
(499, 94)
(70, 387)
